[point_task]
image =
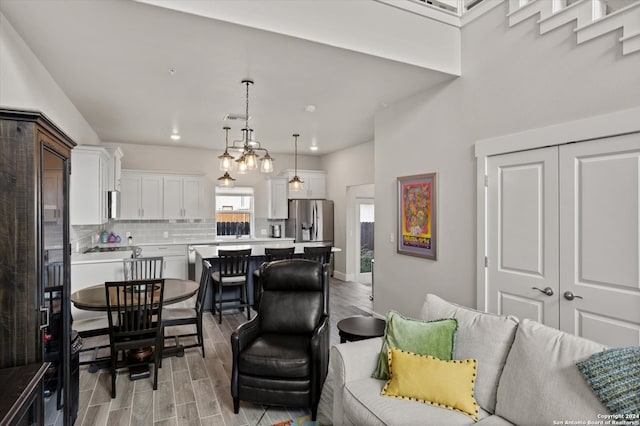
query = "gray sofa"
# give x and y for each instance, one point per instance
(526, 375)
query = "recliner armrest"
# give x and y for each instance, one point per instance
(319, 357)
(245, 334)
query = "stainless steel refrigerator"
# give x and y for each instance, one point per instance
(310, 220)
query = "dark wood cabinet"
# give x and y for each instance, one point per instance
(34, 252)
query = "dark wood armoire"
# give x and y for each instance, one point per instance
(35, 322)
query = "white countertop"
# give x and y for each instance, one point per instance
(258, 249)
(117, 256)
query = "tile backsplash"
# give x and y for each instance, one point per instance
(83, 237)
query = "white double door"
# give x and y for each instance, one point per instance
(563, 226)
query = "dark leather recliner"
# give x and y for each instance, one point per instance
(281, 357)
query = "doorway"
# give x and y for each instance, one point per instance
(364, 228)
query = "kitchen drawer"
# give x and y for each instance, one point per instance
(164, 250)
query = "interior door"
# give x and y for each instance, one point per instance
(522, 271)
(599, 229)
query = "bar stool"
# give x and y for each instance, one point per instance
(233, 272)
(319, 254)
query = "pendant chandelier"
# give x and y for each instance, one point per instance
(295, 184)
(248, 148)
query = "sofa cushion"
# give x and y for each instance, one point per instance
(433, 338)
(541, 384)
(429, 380)
(482, 336)
(614, 376)
(363, 405)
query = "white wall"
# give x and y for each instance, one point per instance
(345, 168)
(205, 161)
(513, 79)
(26, 84)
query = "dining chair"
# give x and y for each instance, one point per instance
(319, 254)
(143, 268)
(233, 271)
(271, 254)
(134, 311)
(176, 316)
(54, 349)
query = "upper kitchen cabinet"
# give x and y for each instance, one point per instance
(89, 185)
(277, 193)
(141, 195)
(185, 197)
(314, 186)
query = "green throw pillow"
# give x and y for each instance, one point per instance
(433, 338)
(614, 376)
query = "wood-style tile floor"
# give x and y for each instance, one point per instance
(193, 390)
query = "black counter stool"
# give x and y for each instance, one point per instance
(233, 272)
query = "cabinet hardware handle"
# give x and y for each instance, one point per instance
(547, 290)
(570, 296)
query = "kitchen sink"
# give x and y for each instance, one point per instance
(98, 249)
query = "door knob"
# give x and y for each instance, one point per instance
(570, 296)
(547, 290)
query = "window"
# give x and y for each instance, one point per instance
(234, 211)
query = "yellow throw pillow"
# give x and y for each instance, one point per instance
(423, 378)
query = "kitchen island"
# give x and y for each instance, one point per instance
(210, 253)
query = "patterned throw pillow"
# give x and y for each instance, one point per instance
(614, 376)
(423, 378)
(433, 338)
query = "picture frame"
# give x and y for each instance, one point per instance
(417, 215)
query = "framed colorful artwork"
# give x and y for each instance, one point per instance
(417, 207)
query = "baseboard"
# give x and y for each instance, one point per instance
(342, 276)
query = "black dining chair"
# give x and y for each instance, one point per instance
(233, 272)
(176, 316)
(134, 311)
(142, 268)
(271, 254)
(318, 254)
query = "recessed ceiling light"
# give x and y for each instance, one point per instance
(310, 108)
(313, 147)
(172, 71)
(175, 137)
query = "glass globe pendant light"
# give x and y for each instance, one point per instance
(226, 159)
(296, 184)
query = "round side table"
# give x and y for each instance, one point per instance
(359, 328)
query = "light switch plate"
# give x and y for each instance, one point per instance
(166, 234)
(263, 232)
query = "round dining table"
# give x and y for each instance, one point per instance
(94, 298)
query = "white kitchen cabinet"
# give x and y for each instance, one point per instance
(314, 184)
(141, 195)
(175, 259)
(184, 197)
(88, 274)
(277, 193)
(89, 185)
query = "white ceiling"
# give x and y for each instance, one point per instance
(112, 59)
